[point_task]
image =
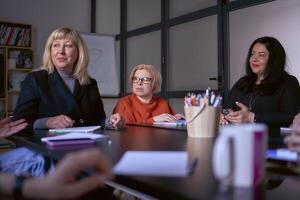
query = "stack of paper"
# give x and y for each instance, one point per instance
(285, 131)
(153, 163)
(83, 129)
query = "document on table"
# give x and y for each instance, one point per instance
(74, 136)
(153, 163)
(83, 129)
(179, 124)
(285, 131)
(282, 154)
(174, 124)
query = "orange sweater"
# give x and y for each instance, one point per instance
(135, 111)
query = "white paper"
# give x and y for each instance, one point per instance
(83, 129)
(71, 136)
(285, 130)
(180, 123)
(167, 124)
(283, 154)
(153, 163)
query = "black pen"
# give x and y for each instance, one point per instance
(193, 166)
(110, 127)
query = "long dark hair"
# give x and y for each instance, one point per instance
(275, 70)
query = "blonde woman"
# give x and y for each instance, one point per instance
(61, 94)
(141, 106)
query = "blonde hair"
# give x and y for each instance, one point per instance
(156, 76)
(80, 69)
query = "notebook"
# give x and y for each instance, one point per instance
(285, 131)
(154, 163)
(178, 123)
(83, 129)
(282, 154)
(73, 136)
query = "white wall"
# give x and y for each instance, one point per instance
(177, 104)
(108, 16)
(109, 105)
(279, 19)
(193, 51)
(45, 16)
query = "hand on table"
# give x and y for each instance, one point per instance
(63, 183)
(293, 140)
(165, 117)
(241, 116)
(8, 127)
(223, 121)
(116, 120)
(60, 121)
(179, 116)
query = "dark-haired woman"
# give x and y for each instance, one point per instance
(267, 93)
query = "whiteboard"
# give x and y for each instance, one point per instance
(102, 65)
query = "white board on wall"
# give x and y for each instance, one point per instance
(102, 65)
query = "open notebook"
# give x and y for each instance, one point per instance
(155, 163)
(178, 123)
(72, 136)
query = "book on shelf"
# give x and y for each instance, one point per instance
(20, 59)
(2, 76)
(2, 109)
(14, 35)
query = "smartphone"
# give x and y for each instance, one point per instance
(69, 142)
(284, 155)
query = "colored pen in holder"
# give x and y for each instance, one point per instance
(202, 121)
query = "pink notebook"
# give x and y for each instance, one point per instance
(72, 139)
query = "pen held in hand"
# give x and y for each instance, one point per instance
(192, 166)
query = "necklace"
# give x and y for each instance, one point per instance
(252, 101)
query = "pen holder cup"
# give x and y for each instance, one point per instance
(202, 121)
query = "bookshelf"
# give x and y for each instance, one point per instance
(16, 60)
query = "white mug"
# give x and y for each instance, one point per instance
(239, 154)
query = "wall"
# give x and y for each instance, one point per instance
(279, 19)
(47, 15)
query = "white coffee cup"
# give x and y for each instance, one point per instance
(239, 154)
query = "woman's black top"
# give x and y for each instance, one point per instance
(276, 109)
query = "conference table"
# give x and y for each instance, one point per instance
(280, 181)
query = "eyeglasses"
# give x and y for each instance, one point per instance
(144, 80)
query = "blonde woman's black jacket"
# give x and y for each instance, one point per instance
(277, 109)
(46, 95)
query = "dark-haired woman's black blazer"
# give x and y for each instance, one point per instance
(277, 109)
(46, 95)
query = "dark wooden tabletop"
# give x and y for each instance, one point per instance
(280, 183)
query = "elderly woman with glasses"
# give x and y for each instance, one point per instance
(141, 106)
